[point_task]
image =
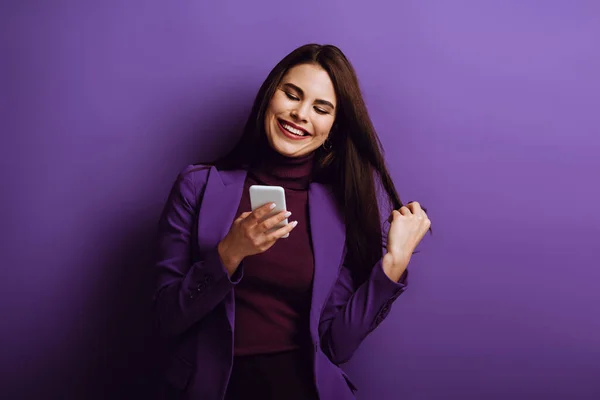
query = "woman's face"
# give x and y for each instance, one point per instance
(301, 112)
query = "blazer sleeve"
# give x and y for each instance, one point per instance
(352, 312)
(186, 289)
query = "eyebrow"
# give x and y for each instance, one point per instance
(301, 92)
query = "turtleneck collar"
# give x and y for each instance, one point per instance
(276, 169)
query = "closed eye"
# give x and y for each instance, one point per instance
(291, 96)
(296, 98)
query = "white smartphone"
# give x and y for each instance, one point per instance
(261, 195)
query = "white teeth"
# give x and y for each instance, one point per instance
(295, 131)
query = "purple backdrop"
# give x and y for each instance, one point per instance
(489, 114)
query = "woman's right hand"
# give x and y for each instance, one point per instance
(249, 234)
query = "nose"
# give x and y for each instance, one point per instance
(299, 113)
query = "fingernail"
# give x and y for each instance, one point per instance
(272, 206)
(287, 214)
(295, 223)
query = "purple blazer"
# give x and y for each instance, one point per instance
(194, 297)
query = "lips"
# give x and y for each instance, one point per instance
(284, 122)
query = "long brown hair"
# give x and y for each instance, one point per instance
(354, 162)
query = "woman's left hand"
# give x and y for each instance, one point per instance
(408, 226)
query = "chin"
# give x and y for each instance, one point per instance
(282, 147)
(286, 149)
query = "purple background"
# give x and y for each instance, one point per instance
(489, 112)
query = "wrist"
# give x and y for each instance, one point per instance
(394, 266)
(230, 261)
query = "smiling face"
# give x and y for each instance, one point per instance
(301, 112)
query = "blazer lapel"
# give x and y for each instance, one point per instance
(220, 202)
(328, 237)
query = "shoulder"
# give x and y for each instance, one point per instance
(194, 179)
(195, 173)
(189, 184)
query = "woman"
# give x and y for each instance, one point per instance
(250, 314)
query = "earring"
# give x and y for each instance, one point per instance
(327, 145)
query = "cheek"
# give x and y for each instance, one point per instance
(270, 114)
(323, 128)
(270, 110)
(277, 105)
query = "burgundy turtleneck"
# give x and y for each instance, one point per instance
(273, 298)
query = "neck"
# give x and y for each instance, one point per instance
(273, 168)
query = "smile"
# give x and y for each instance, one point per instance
(292, 131)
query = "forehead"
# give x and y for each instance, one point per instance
(313, 80)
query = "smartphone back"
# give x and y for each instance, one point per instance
(261, 195)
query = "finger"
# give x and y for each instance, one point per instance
(417, 210)
(243, 215)
(282, 231)
(261, 212)
(423, 209)
(405, 210)
(395, 214)
(425, 216)
(273, 221)
(415, 207)
(242, 218)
